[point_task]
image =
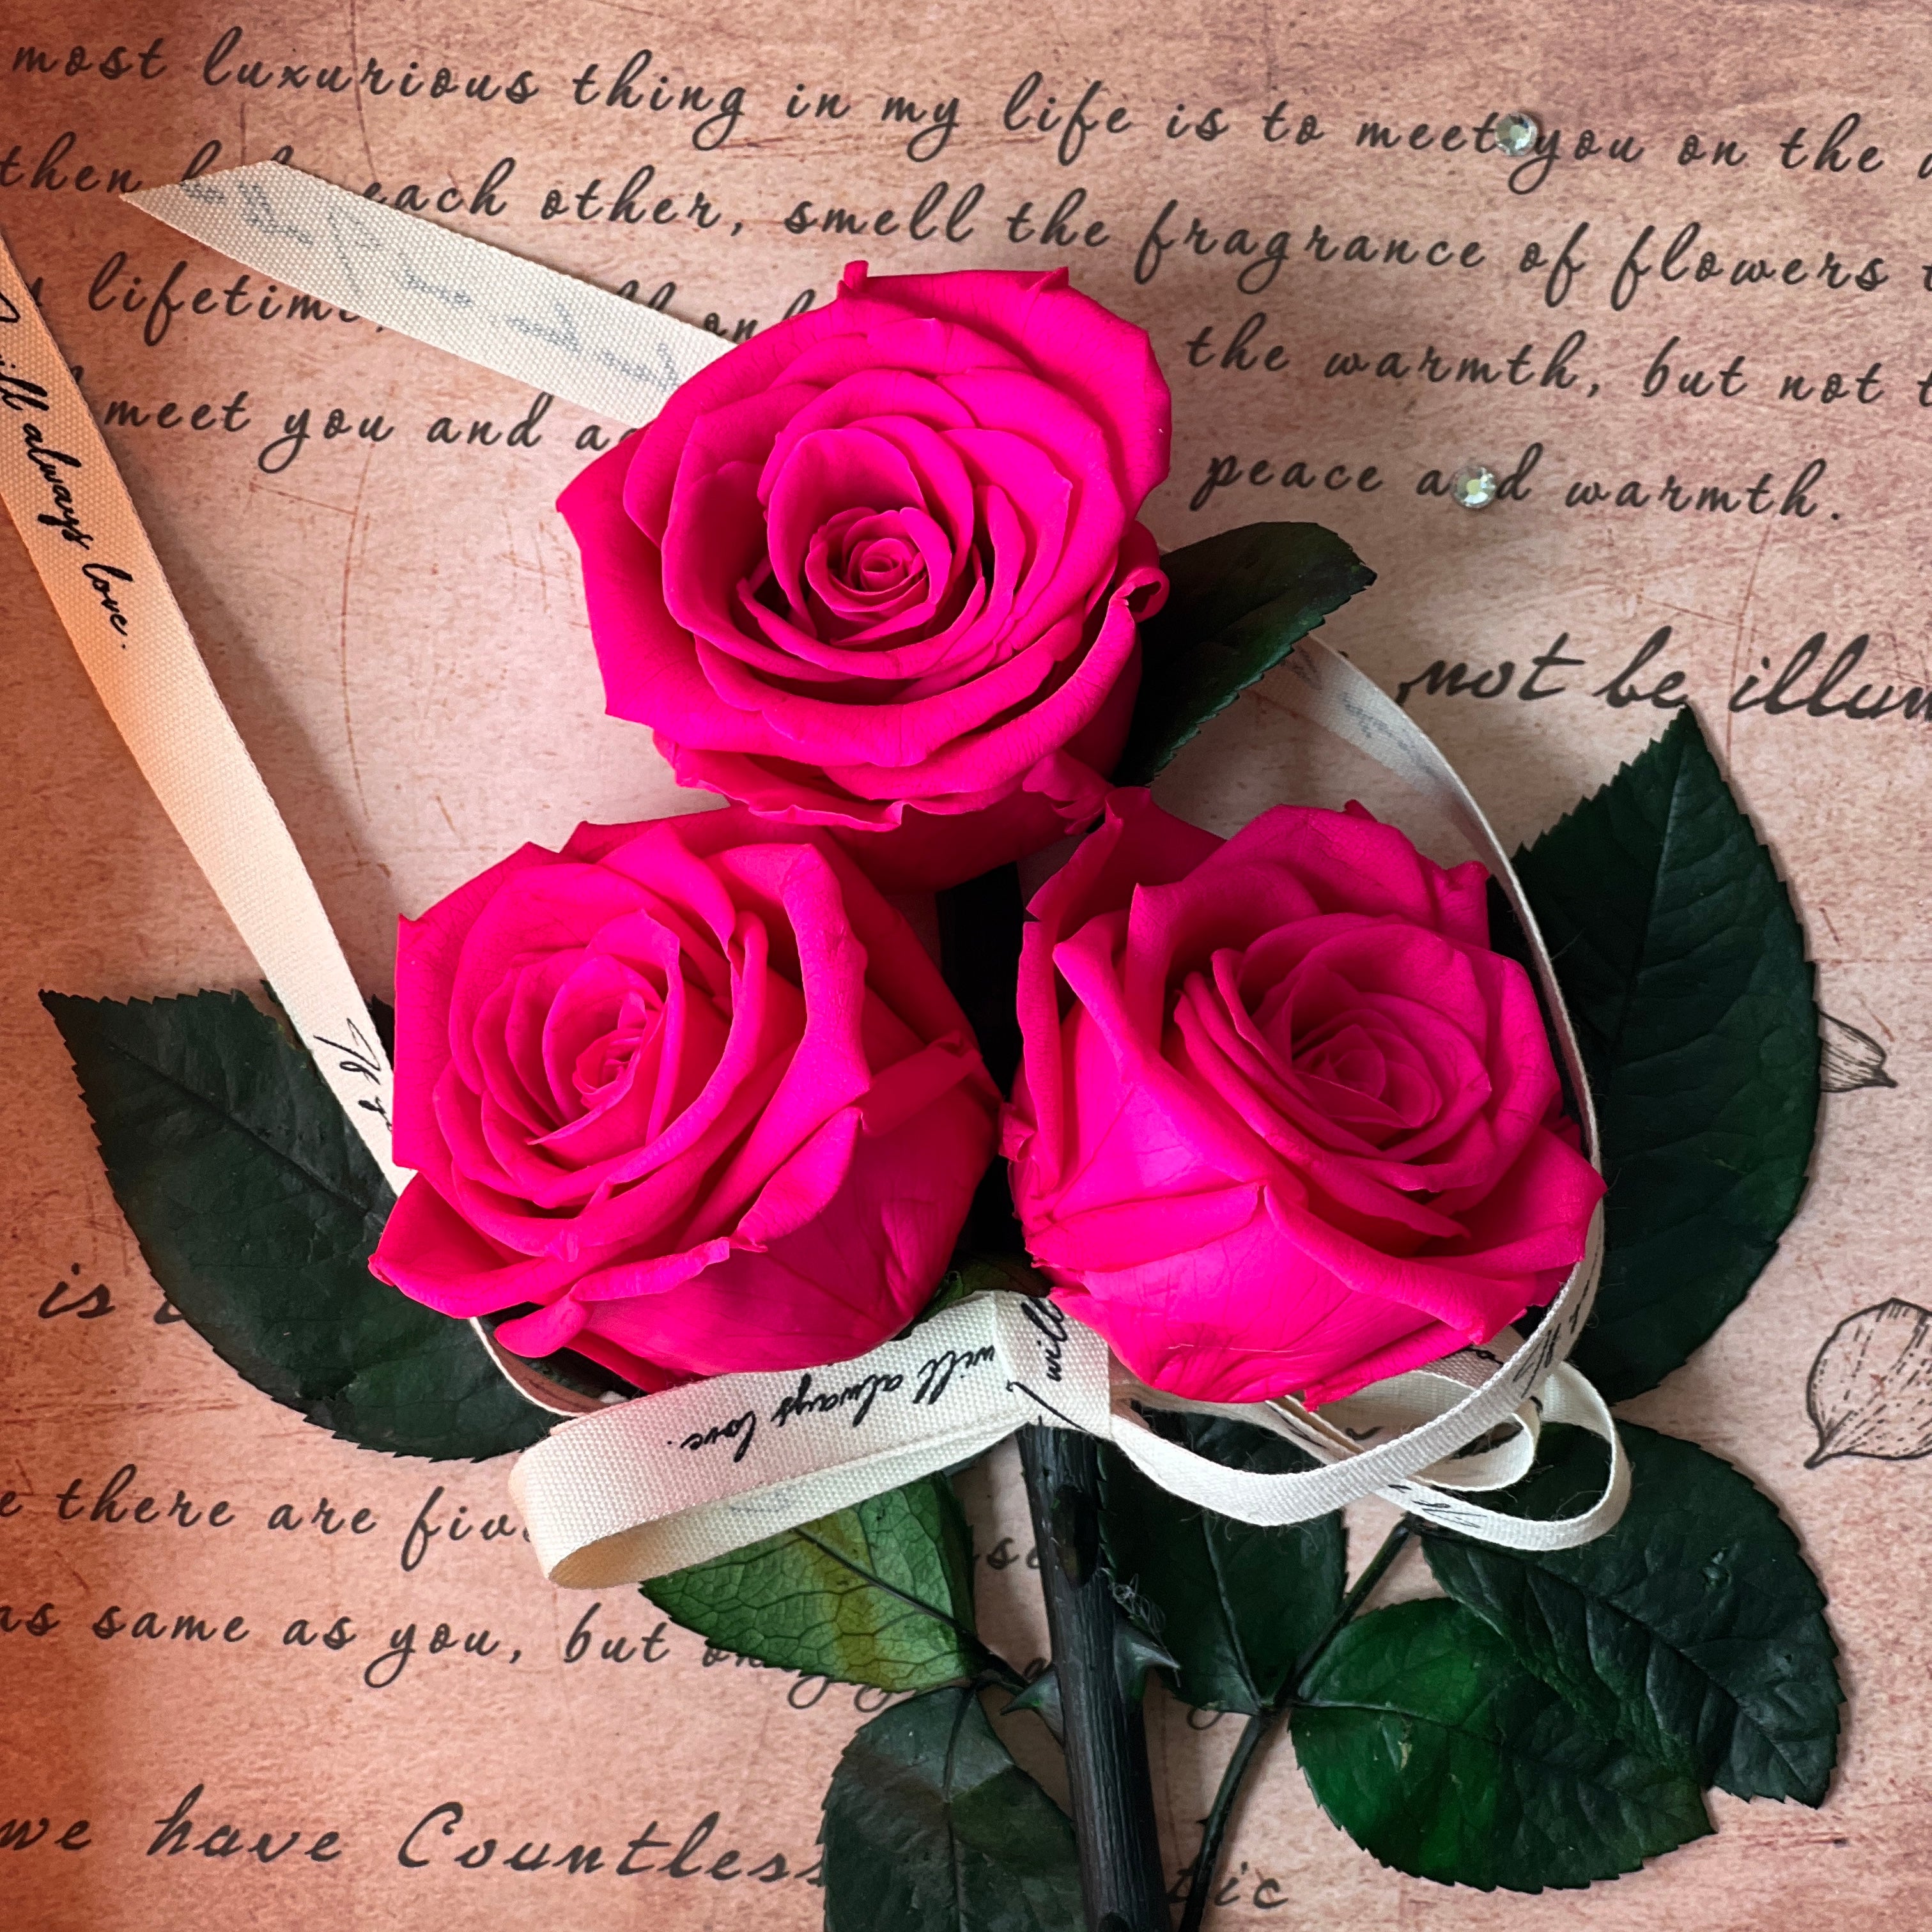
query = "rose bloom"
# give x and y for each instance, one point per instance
(877, 569)
(1285, 1124)
(691, 1087)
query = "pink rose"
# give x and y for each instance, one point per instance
(691, 1087)
(878, 568)
(1284, 1124)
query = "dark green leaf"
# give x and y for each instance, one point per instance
(1236, 1606)
(1684, 966)
(256, 1206)
(1694, 1630)
(1236, 605)
(881, 1593)
(930, 1826)
(1427, 1742)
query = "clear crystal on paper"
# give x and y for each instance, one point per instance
(1474, 486)
(1870, 1389)
(1517, 134)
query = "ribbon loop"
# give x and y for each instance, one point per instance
(1274, 1502)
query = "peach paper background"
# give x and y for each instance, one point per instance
(398, 629)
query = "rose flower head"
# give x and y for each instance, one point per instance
(689, 1094)
(1285, 1124)
(877, 569)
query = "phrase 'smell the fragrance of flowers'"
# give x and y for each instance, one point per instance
(878, 569)
(693, 1089)
(1286, 1123)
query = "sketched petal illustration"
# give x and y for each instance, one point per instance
(1849, 1058)
(1870, 1388)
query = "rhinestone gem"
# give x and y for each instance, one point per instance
(1474, 486)
(1517, 134)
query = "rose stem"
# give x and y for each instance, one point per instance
(1103, 1730)
(1378, 1568)
(1201, 1884)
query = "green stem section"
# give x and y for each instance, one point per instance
(1201, 1885)
(1106, 1737)
(1393, 1546)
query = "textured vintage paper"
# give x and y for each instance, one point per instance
(360, 532)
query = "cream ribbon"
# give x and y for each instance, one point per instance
(83, 533)
(616, 358)
(635, 1489)
(86, 541)
(667, 1481)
